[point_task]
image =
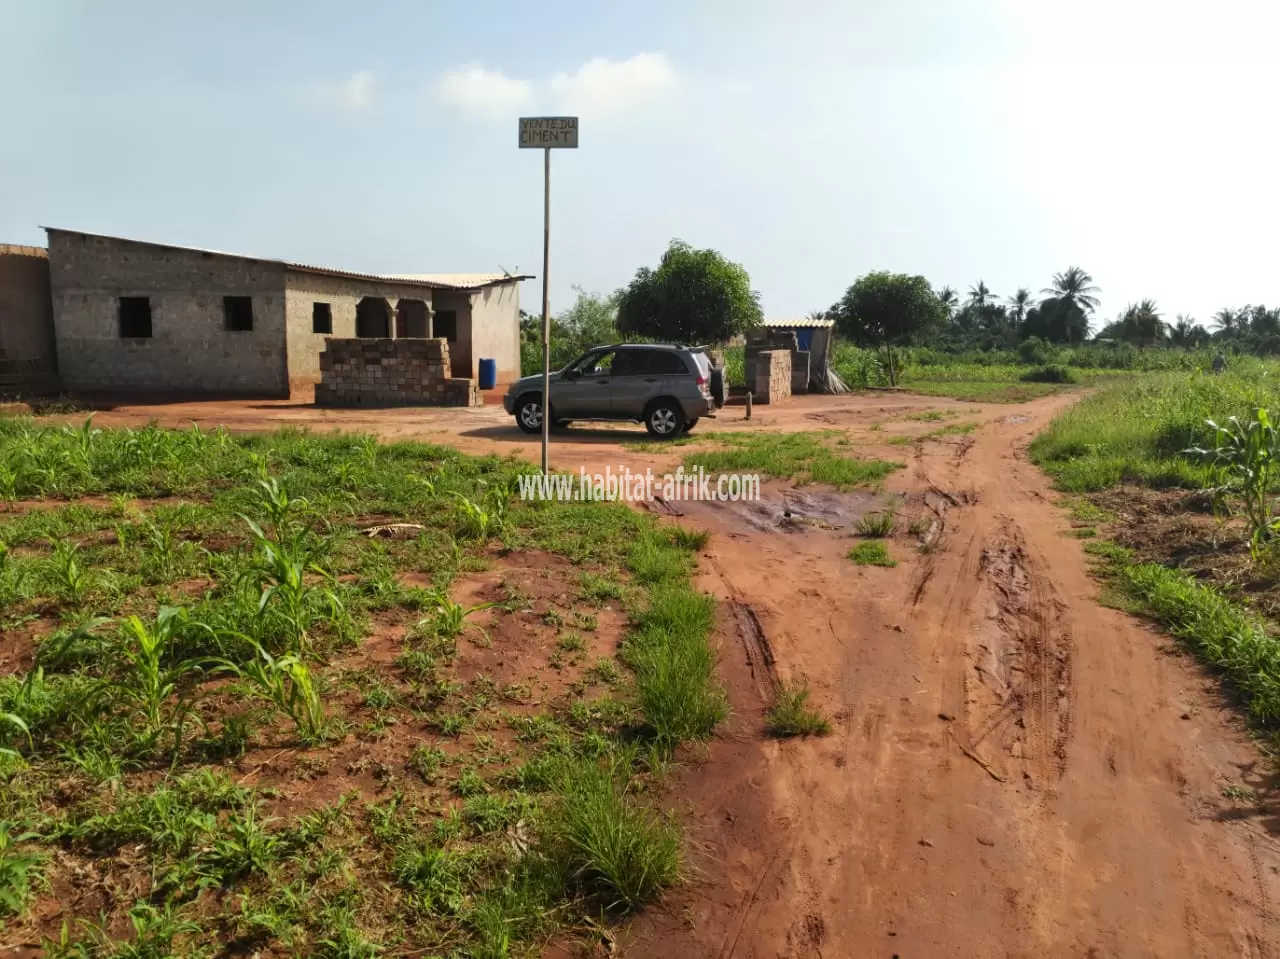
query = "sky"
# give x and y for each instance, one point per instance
(811, 141)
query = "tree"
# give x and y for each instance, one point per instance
(1187, 332)
(1139, 324)
(887, 310)
(1064, 316)
(1075, 288)
(1019, 303)
(949, 299)
(694, 296)
(981, 296)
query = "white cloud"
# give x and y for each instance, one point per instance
(600, 87)
(481, 92)
(355, 93)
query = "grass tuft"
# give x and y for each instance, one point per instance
(876, 524)
(792, 716)
(872, 552)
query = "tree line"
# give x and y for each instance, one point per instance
(697, 296)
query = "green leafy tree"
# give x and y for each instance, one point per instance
(694, 296)
(889, 309)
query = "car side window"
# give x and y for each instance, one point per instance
(667, 364)
(631, 362)
(599, 365)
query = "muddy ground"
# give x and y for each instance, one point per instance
(1014, 770)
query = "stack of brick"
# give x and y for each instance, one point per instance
(389, 372)
(771, 372)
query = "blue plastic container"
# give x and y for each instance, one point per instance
(488, 374)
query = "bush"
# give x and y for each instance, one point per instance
(1050, 374)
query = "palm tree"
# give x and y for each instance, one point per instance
(1020, 302)
(1186, 332)
(948, 298)
(980, 296)
(1074, 287)
(1230, 323)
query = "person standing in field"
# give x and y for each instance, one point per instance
(1219, 362)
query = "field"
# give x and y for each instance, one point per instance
(403, 713)
(323, 696)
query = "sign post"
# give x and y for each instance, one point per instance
(547, 134)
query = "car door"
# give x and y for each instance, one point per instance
(585, 392)
(633, 383)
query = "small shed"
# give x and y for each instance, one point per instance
(809, 341)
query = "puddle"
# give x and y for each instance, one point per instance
(788, 510)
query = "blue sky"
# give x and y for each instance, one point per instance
(1000, 140)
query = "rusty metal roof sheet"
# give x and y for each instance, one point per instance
(435, 281)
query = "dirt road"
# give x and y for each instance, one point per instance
(1014, 770)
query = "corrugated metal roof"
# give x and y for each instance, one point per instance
(801, 324)
(15, 249)
(435, 281)
(459, 281)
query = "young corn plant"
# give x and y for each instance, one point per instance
(485, 519)
(19, 870)
(1246, 456)
(149, 681)
(286, 682)
(448, 620)
(71, 579)
(287, 603)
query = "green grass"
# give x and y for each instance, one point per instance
(1224, 633)
(178, 635)
(791, 715)
(876, 524)
(618, 850)
(805, 457)
(1136, 431)
(674, 667)
(872, 552)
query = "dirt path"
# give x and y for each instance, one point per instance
(1016, 771)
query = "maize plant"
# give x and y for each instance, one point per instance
(1245, 457)
(147, 680)
(286, 682)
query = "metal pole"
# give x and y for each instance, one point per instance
(546, 310)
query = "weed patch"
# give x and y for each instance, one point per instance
(872, 552)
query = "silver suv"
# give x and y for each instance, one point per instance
(668, 388)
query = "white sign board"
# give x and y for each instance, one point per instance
(541, 133)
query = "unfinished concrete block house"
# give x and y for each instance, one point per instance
(133, 316)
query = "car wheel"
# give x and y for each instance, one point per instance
(529, 414)
(690, 425)
(665, 419)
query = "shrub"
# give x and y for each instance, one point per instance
(1050, 374)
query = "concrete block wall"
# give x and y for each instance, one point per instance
(388, 372)
(28, 361)
(190, 351)
(303, 290)
(772, 376)
(800, 371)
